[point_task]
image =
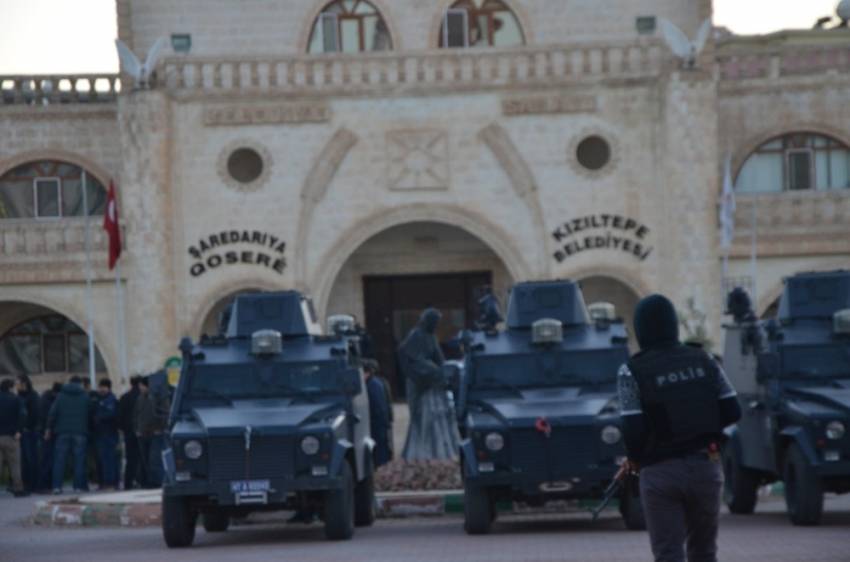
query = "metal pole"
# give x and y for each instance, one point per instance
(122, 335)
(89, 298)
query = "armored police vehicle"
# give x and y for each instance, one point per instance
(269, 416)
(792, 375)
(537, 405)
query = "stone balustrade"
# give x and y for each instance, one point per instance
(32, 239)
(48, 89)
(409, 72)
(784, 61)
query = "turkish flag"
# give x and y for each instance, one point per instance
(111, 226)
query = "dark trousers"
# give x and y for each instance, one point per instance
(106, 444)
(150, 459)
(70, 443)
(131, 460)
(45, 477)
(29, 460)
(681, 502)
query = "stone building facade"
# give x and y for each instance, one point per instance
(385, 180)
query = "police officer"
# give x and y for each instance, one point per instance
(675, 401)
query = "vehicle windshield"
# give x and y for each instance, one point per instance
(534, 370)
(827, 360)
(234, 382)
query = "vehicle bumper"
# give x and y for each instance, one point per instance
(589, 483)
(280, 489)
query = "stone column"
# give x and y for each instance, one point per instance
(147, 213)
(689, 244)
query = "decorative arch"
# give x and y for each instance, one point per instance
(222, 291)
(319, 5)
(91, 167)
(497, 139)
(620, 274)
(316, 187)
(77, 316)
(741, 153)
(494, 236)
(518, 11)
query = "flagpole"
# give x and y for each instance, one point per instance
(89, 297)
(122, 335)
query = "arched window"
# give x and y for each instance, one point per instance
(796, 161)
(480, 23)
(349, 26)
(46, 344)
(48, 189)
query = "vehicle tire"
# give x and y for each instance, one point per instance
(803, 489)
(339, 507)
(216, 521)
(741, 484)
(364, 495)
(479, 512)
(178, 522)
(631, 508)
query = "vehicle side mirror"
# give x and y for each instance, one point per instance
(352, 381)
(767, 366)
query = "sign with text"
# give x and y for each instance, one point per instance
(229, 248)
(601, 232)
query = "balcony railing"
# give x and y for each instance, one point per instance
(785, 61)
(448, 69)
(32, 239)
(48, 89)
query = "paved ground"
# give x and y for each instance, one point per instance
(767, 536)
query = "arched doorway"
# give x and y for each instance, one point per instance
(600, 288)
(212, 324)
(395, 274)
(46, 345)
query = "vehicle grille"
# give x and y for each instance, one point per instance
(269, 457)
(570, 450)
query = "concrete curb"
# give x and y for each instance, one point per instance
(72, 512)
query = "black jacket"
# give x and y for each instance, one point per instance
(12, 414)
(674, 400)
(31, 402)
(48, 397)
(126, 407)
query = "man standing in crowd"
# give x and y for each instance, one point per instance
(29, 436)
(106, 434)
(45, 477)
(126, 406)
(675, 401)
(69, 421)
(379, 417)
(151, 418)
(12, 421)
(92, 458)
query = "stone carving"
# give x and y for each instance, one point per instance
(418, 159)
(548, 104)
(267, 114)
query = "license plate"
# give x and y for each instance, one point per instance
(240, 486)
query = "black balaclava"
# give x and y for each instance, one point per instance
(429, 320)
(656, 323)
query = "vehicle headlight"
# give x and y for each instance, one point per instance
(835, 430)
(310, 445)
(611, 434)
(193, 449)
(494, 441)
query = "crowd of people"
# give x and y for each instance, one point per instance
(100, 432)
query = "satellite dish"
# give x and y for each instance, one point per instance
(843, 10)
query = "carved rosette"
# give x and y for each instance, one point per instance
(230, 181)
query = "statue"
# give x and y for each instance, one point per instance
(432, 433)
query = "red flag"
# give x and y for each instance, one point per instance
(110, 225)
